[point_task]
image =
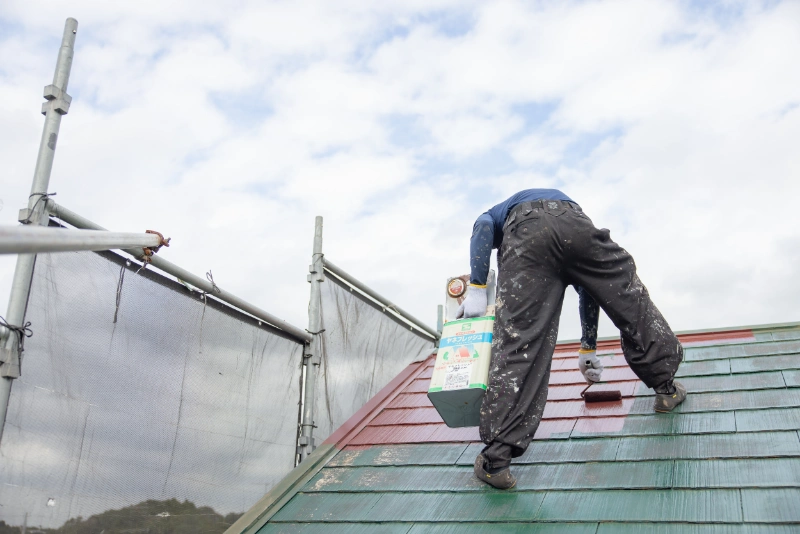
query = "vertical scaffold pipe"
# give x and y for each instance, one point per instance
(312, 358)
(57, 104)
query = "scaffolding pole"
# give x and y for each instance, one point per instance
(312, 357)
(57, 104)
(78, 221)
(36, 239)
(386, 304)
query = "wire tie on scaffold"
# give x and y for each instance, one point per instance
(42, 196)
(145, 259)
(210, 278)
(21, 331)
(391, 307)
(119, 288)
(314, 333)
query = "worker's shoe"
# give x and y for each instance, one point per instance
(502, 480)
(668, 397)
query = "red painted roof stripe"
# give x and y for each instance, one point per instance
(375, 404)
(710, 338)
(613, 374)
(441, 433)
(444, 433)
(428, 373)
(384, 435)
(406, 416)
(402, 413)
(420, 385)
(411, 400)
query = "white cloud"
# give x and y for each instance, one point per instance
(230, 128)
(539, 149)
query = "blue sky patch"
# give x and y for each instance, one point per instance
(535, 114)
(244, 110)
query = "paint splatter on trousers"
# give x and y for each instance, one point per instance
(548, 245)
(589, 313)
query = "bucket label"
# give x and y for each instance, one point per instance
(464, 355)
(457, 376)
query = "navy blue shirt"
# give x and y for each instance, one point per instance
(487, 233)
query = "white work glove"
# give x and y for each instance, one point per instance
(590, 365)
(474, 304)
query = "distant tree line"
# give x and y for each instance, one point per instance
(147, 517)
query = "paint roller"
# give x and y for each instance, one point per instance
(606, 395)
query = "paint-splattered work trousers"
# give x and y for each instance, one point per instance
(548, 245)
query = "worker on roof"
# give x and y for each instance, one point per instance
(545, 243)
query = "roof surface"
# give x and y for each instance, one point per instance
(727, 462)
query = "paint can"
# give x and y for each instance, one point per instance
(461, 371)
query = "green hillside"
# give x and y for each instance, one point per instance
(148, 517)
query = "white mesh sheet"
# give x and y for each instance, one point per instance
(177, 406)
(364, 348)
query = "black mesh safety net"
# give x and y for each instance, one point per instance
(364, 346)
(144, 405)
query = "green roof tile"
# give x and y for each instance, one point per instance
(771, 505)
(327, 507)
(595, 475)
(774, 419)
(408, 478)
(353, 507)
(752, 445)
(717, 383)
(504, 528)
(663, 424)
(332, 528)
(786, 334)
(750, 473)
(713, 367)
(765, 363)
(416, 454)
(688, 528)
(792, 378)
(555, 451)
(721, 506)
(741, 350)
(485, 506)
(727, 400)
(592, 475)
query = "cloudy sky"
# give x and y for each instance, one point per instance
(229, 126)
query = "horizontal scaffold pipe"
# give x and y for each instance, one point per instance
(407, 317)
(73, 219)
(36, 239)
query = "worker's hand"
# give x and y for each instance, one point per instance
(474, 304)
(590, 365)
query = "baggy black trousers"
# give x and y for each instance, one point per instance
(548, 245)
